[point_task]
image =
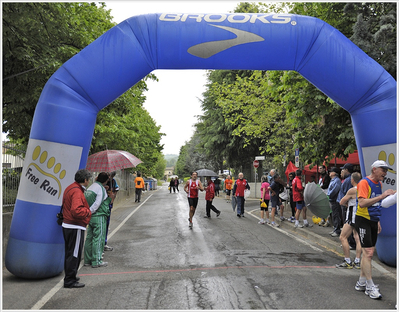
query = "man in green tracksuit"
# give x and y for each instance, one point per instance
(98, 201)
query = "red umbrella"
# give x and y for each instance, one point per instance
(111, 160)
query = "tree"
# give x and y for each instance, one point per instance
(37, 39)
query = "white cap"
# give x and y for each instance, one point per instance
(380, 164)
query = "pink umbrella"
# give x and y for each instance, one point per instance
(111, 160)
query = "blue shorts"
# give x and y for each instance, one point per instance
(276, 201)
(299, 204)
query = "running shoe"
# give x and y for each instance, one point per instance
(356, 265)
(297, 225)
(307, 225)
(373, 292)
(344, 265)
(108, 248)
(274, 224)
(360, 287)
(261, 222)
(218, 214)
(282, 219)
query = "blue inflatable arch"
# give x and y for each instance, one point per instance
(66, 113)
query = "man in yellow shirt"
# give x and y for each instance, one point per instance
(139, 185)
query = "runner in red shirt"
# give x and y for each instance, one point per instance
(191, 188)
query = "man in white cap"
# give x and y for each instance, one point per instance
(367, 222)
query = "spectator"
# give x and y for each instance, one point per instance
(238, 191)
(113, 188)
(265, 198)
(228, 185)
(177, 184)
(291, 177)
(324, 182)
(297, 194)
(332, 193)
(77, 214)
(139, 185)
(349, 227)
(209, 196)
(346, 172)
(172, 185)
(217, 186)
(99, 201)
(274, 189)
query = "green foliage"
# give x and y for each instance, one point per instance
(37, 39)
(126, 125)
(248, 113)
(181, 168)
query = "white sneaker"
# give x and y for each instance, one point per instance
(261, 222)
(360, 287)
(307, 225)
(297, 225)
(373, 292)
(268, 221)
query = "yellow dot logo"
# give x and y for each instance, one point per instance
(45, 164)
(390, 159)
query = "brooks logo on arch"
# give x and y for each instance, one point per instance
(207, 49)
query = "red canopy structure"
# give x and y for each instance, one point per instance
(290, 168)
(335, 162)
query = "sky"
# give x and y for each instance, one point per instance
(174, 101)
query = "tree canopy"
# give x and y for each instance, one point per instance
(37, 39)
(271, 113)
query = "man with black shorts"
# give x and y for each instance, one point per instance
(349, 200)
(367, 223)
(191, 188)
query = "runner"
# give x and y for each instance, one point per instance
(191, 188)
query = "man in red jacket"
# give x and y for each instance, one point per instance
(240, 185)
(76, 212)
(209, 196)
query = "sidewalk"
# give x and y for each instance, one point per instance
(317, 234)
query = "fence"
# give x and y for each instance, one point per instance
(12, 163)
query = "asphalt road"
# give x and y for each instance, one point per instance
(223, 263)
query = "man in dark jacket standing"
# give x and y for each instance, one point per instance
(77, 215)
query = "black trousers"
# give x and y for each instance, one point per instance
(138, 194)
(209, 207)
(74, 240)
